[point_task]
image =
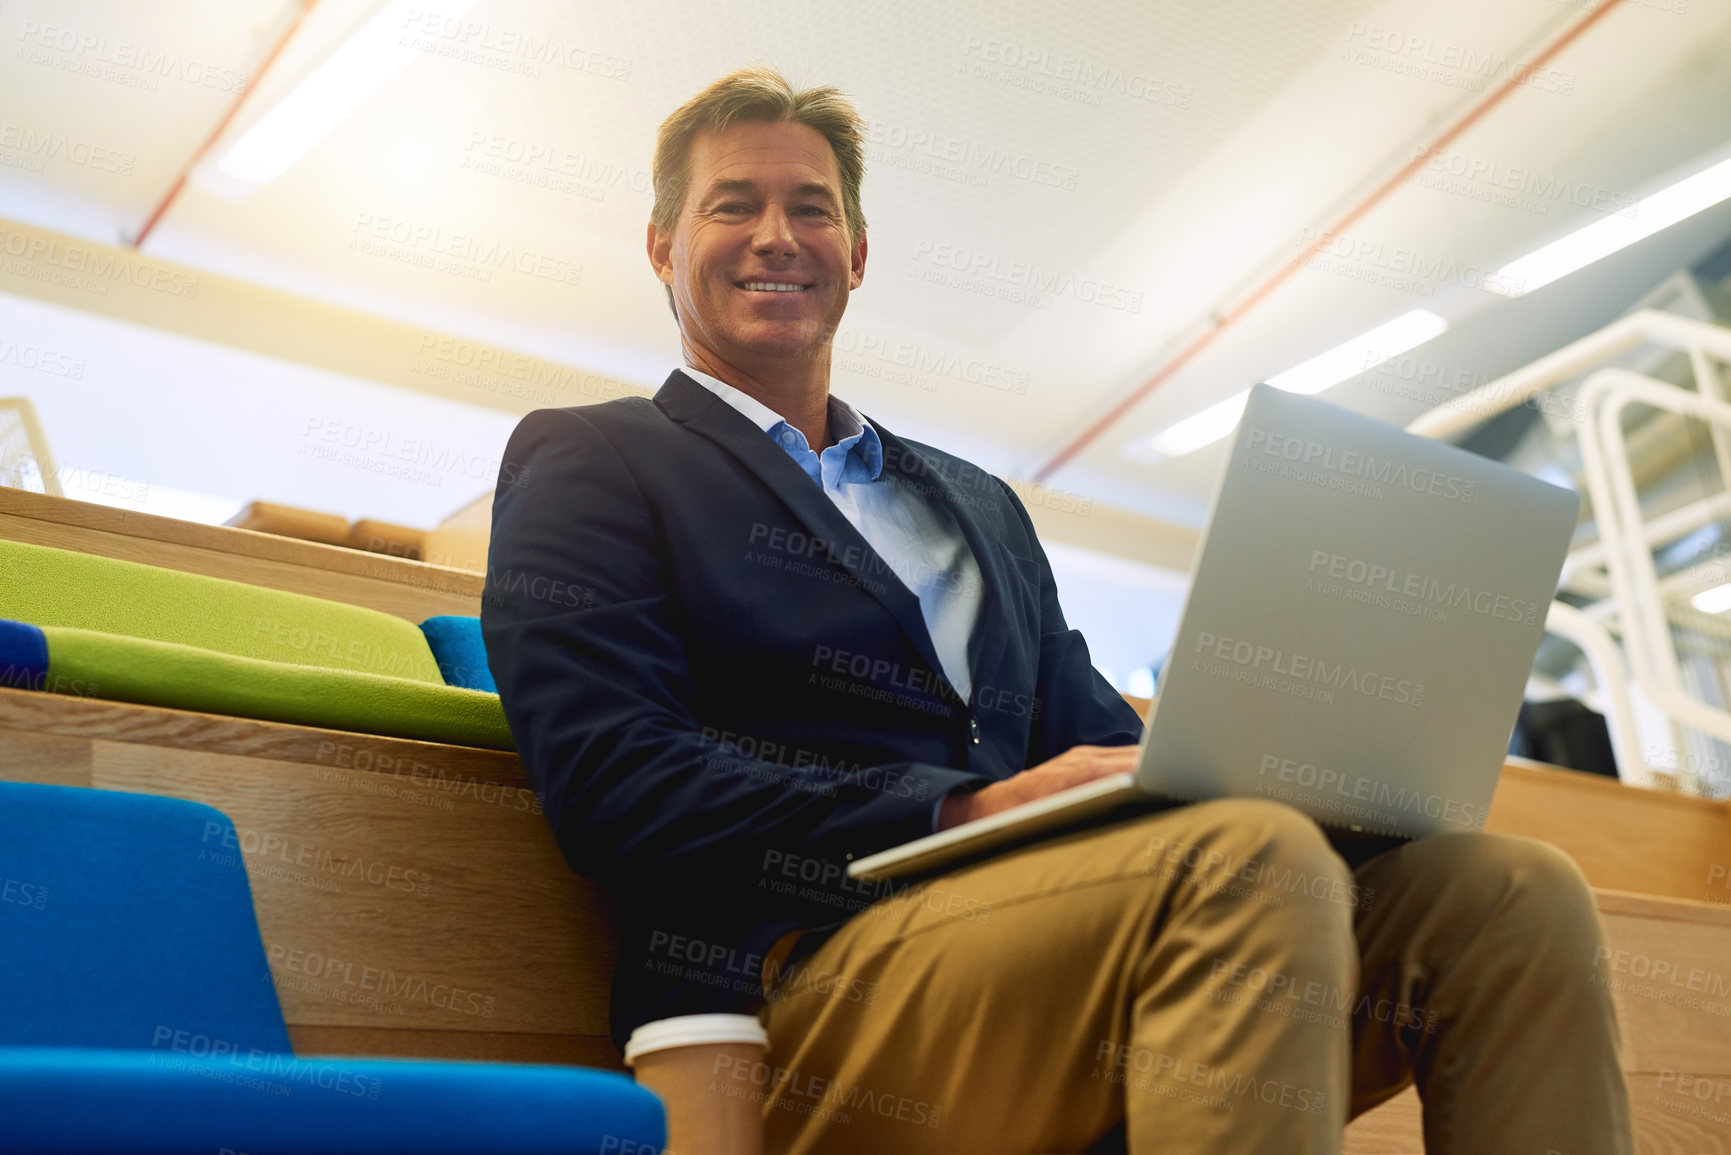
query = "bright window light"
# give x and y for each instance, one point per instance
(149, 498)
(1205, 428)
(1602, 238)
(1407, 331)
(1714, 601)
(347, 79)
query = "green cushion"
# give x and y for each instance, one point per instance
(160, 673)
(57, 587)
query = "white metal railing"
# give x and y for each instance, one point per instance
(1617, 570)
(25, 460)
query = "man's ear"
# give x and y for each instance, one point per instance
(858, 263)
(660, 248)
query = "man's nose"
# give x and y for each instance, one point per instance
(774, 232)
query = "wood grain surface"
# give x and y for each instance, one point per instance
(406, 589)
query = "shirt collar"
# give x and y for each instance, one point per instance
(853, 433)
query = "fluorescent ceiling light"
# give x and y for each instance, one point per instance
(347, 79)
(1602, 238)
(1204, 428)
(1714, 601)
(1407, 331)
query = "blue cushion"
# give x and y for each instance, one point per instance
(456, 645)
(125, 915)
(23, 655)
(58, 1101)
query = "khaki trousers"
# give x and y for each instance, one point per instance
(1207, 979)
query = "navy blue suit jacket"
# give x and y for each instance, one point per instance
(724, 694)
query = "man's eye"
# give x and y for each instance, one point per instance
(734, 207)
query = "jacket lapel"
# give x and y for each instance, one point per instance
(701, 411)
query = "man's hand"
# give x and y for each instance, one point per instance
(1076, 766)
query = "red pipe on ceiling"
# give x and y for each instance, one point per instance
(1281, 275)
(302, 8)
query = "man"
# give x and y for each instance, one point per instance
(790, 638)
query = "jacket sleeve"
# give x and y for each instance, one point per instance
(583, 628)
(1078, 706)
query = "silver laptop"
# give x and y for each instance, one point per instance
(1363, 613)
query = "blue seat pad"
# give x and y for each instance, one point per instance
(182, 1096)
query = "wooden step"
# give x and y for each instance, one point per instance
(1676, 1031)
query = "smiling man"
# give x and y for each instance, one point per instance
(803, 639)
(759, 275)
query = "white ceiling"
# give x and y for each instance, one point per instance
(1258, 120)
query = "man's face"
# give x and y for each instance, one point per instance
(760, 261)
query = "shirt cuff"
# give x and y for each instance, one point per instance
(693, 1031)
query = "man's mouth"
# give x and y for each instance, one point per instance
(771, 286)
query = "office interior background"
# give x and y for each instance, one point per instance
(300, 266)
(324, 255)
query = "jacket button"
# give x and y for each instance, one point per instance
(974, 731)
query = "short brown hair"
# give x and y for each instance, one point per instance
(757, 93)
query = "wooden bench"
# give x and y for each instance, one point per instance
(412, 900)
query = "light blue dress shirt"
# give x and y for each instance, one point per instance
(918, 540)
